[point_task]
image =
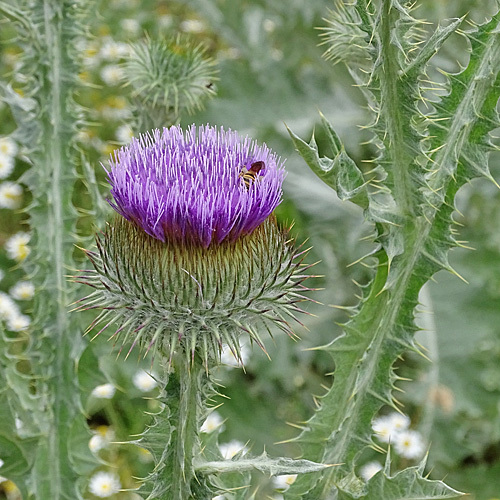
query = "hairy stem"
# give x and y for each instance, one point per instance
(392, 111)
(53, 219)
(185, 386)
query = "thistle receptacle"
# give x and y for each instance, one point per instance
(196, 258)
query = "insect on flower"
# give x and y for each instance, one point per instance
(249, 176)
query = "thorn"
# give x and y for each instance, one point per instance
(452, 271)
(296, 426)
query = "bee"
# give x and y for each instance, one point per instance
(250, 175)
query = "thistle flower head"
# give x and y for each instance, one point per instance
(196, 260)
(188, 187)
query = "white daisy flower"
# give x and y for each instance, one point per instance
(124, 133)
(399, 422)
(104, 391)
(269, 25)
(8, 308)
(369, 470)
(213, 422)
(165, 21)
(112, 74)
(6, 166)
(409, 444)
(104, 484)
(229, 450)
(1, 462)
(23, 290)
(8, 146)
(10, 58)
(229, 359)
(97, 443)
(131, 26)
(192, 26)
(284, 481)
(384, 429)
(18, 322)
(107, 432)
(17, 246)
(116, 112)
(144, 381)
(91, 55)
(10, 195)
(84, 136)
(113, 51)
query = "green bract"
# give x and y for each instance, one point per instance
(171, 296)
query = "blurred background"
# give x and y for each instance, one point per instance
(270, 73)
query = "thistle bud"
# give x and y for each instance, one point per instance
(167, 78)
(195, 257)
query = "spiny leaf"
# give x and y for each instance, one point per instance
(419, 197)
(418, 64)
(340, 172)
(47, 120)
(346, 40)
(406, 484)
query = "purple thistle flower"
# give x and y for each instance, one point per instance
(187, 186)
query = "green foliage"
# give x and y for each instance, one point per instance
(15, 400)
(408, 483)
(41, 386)
(173, 437)
(47, 119)
(339, 172)
(263, 463)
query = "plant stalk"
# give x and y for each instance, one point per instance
(185, 385)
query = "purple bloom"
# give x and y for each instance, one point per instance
(187, 186)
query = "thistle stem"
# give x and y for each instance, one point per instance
(185, 386)
(401, 158)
